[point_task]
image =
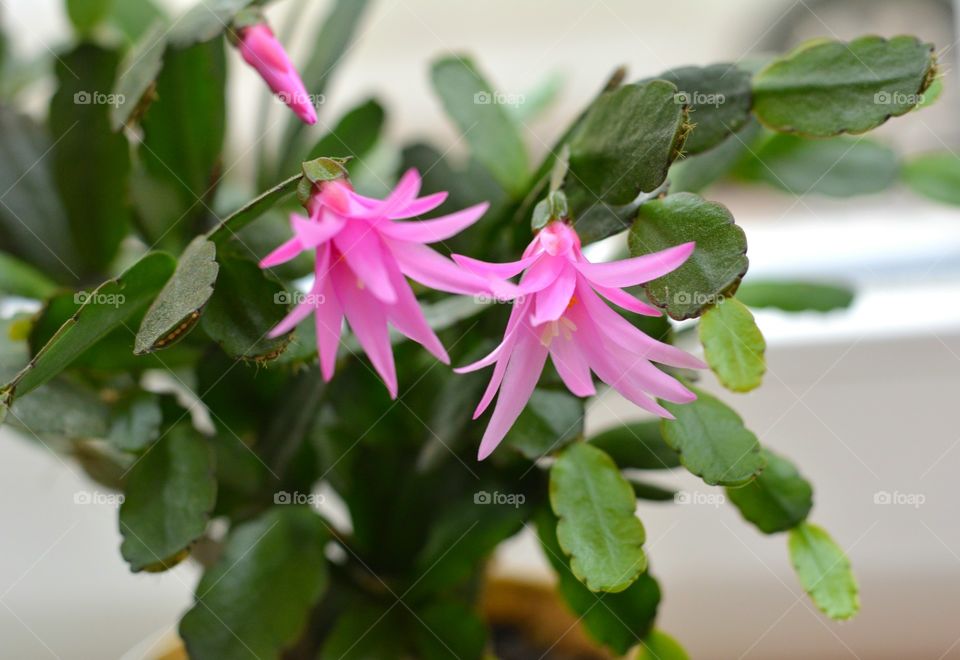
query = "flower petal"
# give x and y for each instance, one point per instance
(553, 301)
(542, 273)
(311, 233)
(420, 206)
(432, 269)
(329, 315)
(487, 269)
(287, 251)
(572, 365)
(627, 301)
(436, 229)
(637, 270)
(359, 244)
(407, 317)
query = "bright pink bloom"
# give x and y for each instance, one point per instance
(364, 250)
(559, 313)
(264, 53)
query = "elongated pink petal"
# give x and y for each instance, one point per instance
(542, 274)
(623, 299)
(292, 320)
(287, 251)
(311, 233)
(522, 374)
(425, 265)
(515, 325)
(407, 317)
(436, 229)
(329, 315)
(553, 301)
(367, 318)
(571, 365)
(401, 197)
(516, 314)
(637, 270)
(487, 269)
(420, 206)
(361, 247)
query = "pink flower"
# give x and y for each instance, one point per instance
(264, 53)
(559, 313)
(364, 250)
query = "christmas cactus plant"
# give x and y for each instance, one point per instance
(227, 365)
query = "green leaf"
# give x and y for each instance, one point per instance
(712, 441)
(625, 145)
(136, 423)
(448, 630)
(255, 602)
(828, 87)
(91, 163)
(652, 492)
(638, 445)
(619, 620)
(137, 73)
(330, 45)
(718, 97)
(18, 278)
(168, 498)
(253, 209)
(838, 167)
(85, 14)
(716, 265)
(935, 175)
(105, 309)
(367, 631)
(245, 306)
(660, 646)
(175, 311)
(696, 172)
(824, 571)
(777, 500)
(473, 105)
(733, 345)
(794, 296)
(135, 18)
(550, 420)
(205, 21)
(597, 527)
(185, 155)
(60, 409)
(33, 225)
(537, 100)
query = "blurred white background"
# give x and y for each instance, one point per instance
(862, 399)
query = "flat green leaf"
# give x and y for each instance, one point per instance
(625, 145)
(638, 445)
(718, 97)
(105, 309)
(254, 209)
(716, 265)
(91, 163)
(176, 309)
(136, 422)
(330, 45)
(168, 498)
(134, 18)
(18, 278)
(137, 73)
(475, 107)
(696, 172)
(660, 646)
(777, 500)
(204, 21)
(839, 167)
(61, 409)
(824, 571)
(245, 306)
(828, 87)
(935, 175)
(33, 224)
(733, 345)
(712, 441)
(85, 14)
(550, 420)
(255, 602)
(597, 527)
(794, 296)
(616, 620)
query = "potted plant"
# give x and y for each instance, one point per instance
(228, 359)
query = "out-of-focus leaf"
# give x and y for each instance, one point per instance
(777, 500)
(61, 409)
(712, 441)
(824, 571)
(536, 101)
(168, 498)
(651, 492)
(794, 296)
(137, 72)
(935, 175)
(660, 646)
(85, 14)
(550, 420)
(355, 134)
(253, 209)
(204, 21)
(828, 87)
(838, 167)
(135, 18)
(716, 265)
(18, 278)
(597, 527)
(136, 423)
(638, 445)
(449, 630)
(733, 345)
(256, 600)
(474, 106)
(175, 311)
(91, 163)
(696, 172)
(365, 631)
